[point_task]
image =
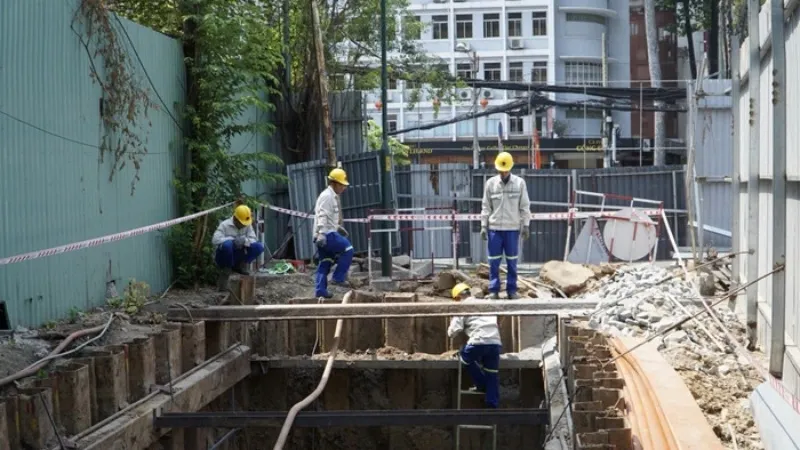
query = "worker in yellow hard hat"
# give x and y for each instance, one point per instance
(481, 355)
(236, 244)
(505, 216)
(330, 237)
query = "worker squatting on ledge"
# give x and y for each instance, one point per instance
(235, 245)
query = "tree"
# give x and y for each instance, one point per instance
(655, 79)
(397, 149)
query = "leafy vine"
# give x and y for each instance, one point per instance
(125, 103)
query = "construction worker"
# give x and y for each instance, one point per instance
(505, 215)
(330, 236)
(236, 244)
(481, 355)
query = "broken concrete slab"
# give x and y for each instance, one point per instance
(570, 278)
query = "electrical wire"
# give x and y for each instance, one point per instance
(146, 74)
(64, 138)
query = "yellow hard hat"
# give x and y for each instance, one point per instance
(243, 215)
(504, 162)
(338, 176)
(459, 289)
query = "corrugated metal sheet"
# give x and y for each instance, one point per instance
(308, 179)
(349, 126)
(54, 189)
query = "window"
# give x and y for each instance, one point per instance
(463, 26)
(464, 71)
(515, 72)
(583, 74)
(540, 24)
(539, 72)
(491, 72)
(577, 113)
(464, 128)
(391, 122)
(634, 29)
(442, 131)
(492, 126)
(413, 84)
(516, 125)
(392, 83)
(588, 18)
(440, 27)
(491, 25)
(515, 24)
(412, 28)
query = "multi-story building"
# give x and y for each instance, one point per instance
(557, 42)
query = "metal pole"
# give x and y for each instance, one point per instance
(754, 86)
(386, 186)
(605, 124)
(641, 131)
(736, 185)
(778, 339)
(476, 148)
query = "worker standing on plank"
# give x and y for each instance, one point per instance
(505, 215)
(481, 355)
(330, 236)
(236, 244)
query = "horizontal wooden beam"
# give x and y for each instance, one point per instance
(378, 310)
(511, 361)
(132, 428)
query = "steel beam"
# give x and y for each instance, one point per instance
(354, 418)
(379, 310)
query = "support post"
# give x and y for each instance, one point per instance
(754, 86)
(386, 162)
(736, 177)
(778, 339)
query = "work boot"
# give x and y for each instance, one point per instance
(513, 296)
(324, 295)
(241, 269)
(477, 390)
(494, 296)
(222, 280)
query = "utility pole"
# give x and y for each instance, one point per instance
(476, 92)
(386, 164)
(606, 116)
(322, 73)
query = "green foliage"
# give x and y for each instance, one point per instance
(134, 296)
(75, 314)
(398, 150)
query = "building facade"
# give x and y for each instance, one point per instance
(557, 42)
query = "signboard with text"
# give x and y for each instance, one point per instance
(580, 145)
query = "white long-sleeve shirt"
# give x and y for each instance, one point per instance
(505, 206)
(227, 231)
(327, 214)
(481, 330)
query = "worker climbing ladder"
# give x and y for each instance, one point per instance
(462, 391)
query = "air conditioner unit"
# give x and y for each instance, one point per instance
(439, 1)
(459, 1)
(487, 94)
(515, 44)
(465, 94)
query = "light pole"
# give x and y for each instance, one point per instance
(386, 186)
(476, 148)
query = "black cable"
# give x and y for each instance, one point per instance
(567, 407)
(146, 74)
(73, 141)
(52, 422)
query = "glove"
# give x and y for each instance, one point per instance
(484, 234)
(525, 232)
(343, 232)
(240, 241)
(321, 241)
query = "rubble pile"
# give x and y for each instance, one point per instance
(635, 302)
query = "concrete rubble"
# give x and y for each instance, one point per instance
(630, 303)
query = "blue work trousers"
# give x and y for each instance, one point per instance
(228, 256)
(337, 250)
(503, 243)
(482, 363)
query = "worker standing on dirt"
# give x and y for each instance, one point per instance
(331, 239)
(236, 244)
(481, 355)
(505, 215)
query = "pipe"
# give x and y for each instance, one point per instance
(287, 425)
(56, 353)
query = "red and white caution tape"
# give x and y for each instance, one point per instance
(573, 214)
(105, 239)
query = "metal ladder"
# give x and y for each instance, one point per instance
(461, 392)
